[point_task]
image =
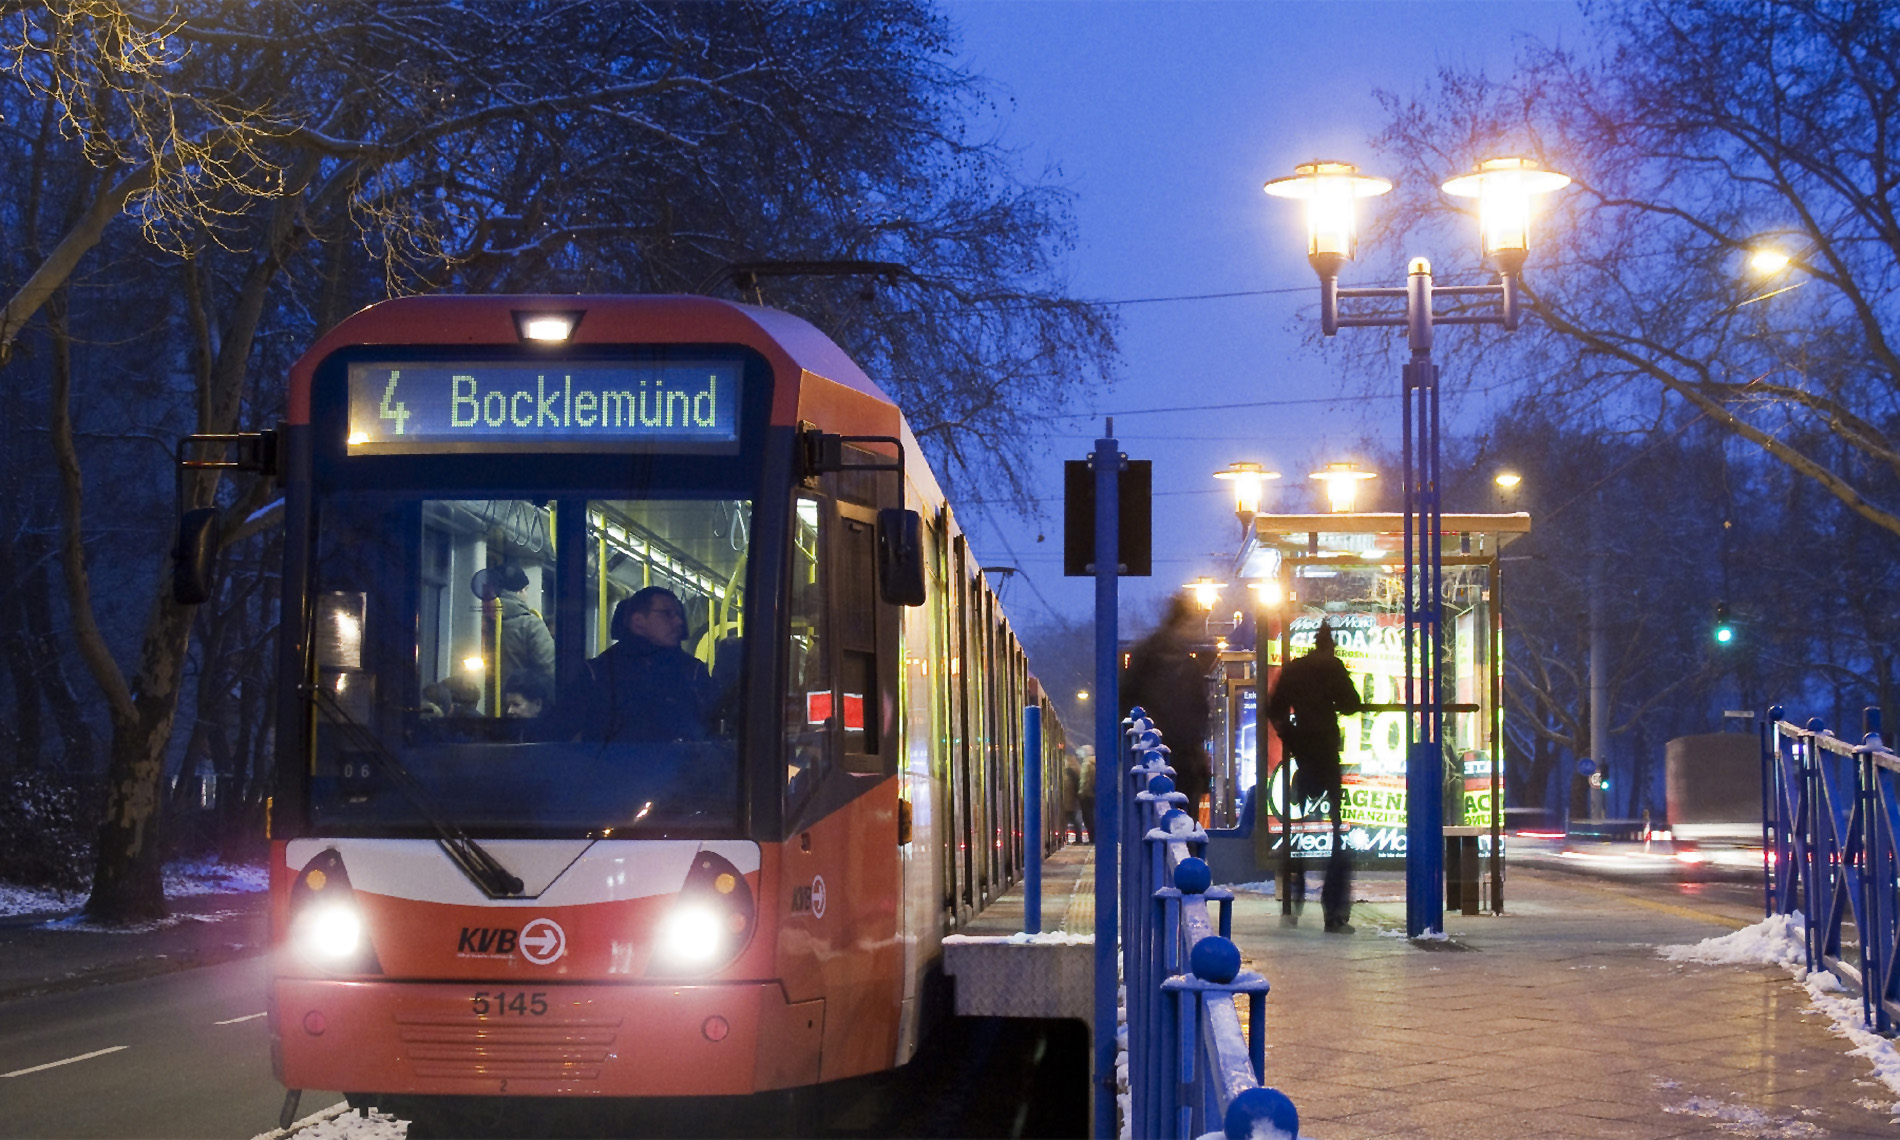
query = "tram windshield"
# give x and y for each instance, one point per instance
(489, 664)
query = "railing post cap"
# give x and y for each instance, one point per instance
(1160, 785)
(1261, 1114)
(1215, 959)
(1192, 876)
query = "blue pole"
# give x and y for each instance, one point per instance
(1032, 818)
(1107, 462)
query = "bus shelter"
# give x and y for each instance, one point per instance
(1346, 570)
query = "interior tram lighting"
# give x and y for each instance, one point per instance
(472, 664)
(1249, 480)
(1342, 484)
(1206, 591)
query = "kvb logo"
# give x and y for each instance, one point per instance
(541, 941)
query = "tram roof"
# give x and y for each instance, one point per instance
(1280, 529)
(791, 345)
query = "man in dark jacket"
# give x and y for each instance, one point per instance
(645, 688)
(1310, 694)
(1169, 682)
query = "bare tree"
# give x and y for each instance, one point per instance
(275, 166)
(1698, 133)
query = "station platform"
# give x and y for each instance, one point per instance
(1557, 1019)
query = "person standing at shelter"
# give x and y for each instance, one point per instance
(1167, 677)
(1307, 700)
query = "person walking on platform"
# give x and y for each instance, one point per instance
(1072, 799)
(1304, 709)
(1085, 789)
(1168, 678)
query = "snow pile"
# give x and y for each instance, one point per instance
(183, 879)
(36, 900)
(1779, 940)
(78, 923)
(338, 1123)
(210, 877)
(1739, 1118)
(1046, 938)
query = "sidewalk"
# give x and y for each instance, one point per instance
(1557, 1019)
(46, 953)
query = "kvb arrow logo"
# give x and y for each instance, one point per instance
(542, 941)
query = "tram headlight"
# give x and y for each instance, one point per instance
(329, 933)
(327, 927)
(692, 934)
(709, 923)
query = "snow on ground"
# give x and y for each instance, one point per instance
(1780, 940)
(183, 878)
(338, 1123)
(1360, 894)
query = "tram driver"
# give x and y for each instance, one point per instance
(645, 688)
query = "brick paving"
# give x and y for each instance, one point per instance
(1557, 1019)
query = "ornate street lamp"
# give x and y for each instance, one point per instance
(1505, 189)
(1342, 485)
(1249, 481)
(1206, 591)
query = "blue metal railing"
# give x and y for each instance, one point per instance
(1830, 811)
(1190, 1065)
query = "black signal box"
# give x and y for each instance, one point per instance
(1134, 520)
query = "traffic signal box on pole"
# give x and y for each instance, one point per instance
(1134, 519)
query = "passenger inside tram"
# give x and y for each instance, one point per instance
(645, 687)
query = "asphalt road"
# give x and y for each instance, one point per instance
(180, 1055)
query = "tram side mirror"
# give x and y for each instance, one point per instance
(195, 559)
(900, 556)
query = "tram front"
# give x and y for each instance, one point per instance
(515, 831)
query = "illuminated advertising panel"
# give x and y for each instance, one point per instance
(1373, 743)
(689, 406)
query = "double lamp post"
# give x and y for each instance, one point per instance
(1505, 189)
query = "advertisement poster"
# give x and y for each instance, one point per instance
(1372, 647)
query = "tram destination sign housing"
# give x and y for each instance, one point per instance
(689, 406)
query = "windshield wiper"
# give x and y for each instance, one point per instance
(483, 869)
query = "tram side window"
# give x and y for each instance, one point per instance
(857, 637)
(810, 712)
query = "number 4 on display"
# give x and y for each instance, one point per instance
(397, 411)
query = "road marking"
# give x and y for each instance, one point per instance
(235, 1020)
(67, 1061)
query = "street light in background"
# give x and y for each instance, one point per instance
(1507, 483)
(1342, 484)
(1206, 591)
(1505, 189)
(1249, 483)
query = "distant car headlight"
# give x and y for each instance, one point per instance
(329, 933)
(692, 934)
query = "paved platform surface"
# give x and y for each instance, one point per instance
(1557, 1019)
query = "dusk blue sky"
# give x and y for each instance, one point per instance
(1163, 120)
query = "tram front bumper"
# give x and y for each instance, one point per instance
(470, 1039)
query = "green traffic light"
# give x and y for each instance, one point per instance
(1724, 634)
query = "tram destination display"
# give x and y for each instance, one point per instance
(415, 406)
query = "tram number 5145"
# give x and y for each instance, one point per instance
(502, 1003)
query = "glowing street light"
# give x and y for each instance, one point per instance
(1505, 189)
(1249, 480)
(1342, 484)
(1267, 592)
(1508, 480)
(1768, 261)
(1206, 591)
